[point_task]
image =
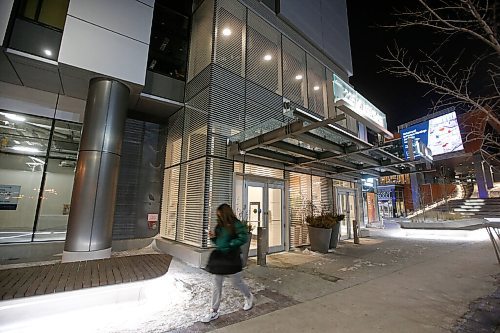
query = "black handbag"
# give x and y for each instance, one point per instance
(224, 263)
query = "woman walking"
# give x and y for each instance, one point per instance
(225, 260)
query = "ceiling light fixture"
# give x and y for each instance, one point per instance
(25, 149)
(298, 77)
(47, 52)
(14, 117)
(267, 57)
(227, 32)
(316, 88)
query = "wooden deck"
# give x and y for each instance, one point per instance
(59, 277)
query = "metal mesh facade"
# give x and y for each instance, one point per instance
(316, 86)
(230, 36)
(263, 54)
(201, 39)
(240, 69)
(294, 73)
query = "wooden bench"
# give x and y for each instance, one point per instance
(59, 277)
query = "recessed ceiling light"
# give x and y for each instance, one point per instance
(14, 117)
(47, 52)
(227, 32)
(267, 57)
(26, 149)
(298, 77)
(316, 87)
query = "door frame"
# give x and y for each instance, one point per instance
(348, 192)
(266, 184)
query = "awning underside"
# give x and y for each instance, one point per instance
(322, 145)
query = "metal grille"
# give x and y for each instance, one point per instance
(195, 127)
(191, 202)
(219, 187)
(230, 36)
(238, 167)
(263, 54)
(227, 112)
(264, 97)
(322, 196)
(174, 138)
(170, 199)
(256, 114)
(227, 80)
(300, 198)
(263, 171)
(200, 54)
(294, 73)
(200, 82)
(316, 86)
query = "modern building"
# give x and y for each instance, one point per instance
(184, 105)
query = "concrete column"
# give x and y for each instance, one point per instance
(480, 178)
(90, 222)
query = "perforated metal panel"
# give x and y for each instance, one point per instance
(294, 73)
(198, 83)
(191, 202)
(263, 54)
(228, 80)
(316, 86)
(227, 112)
(174, 138)
(196, 127)
(263, 171)
(299, 199)
(219, 187)
(238, 167)
(230, 36)
(256, 114)
(170, 199)
(200, 54)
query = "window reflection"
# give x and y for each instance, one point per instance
(51, 13)
(169, 40)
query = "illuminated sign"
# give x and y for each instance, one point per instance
(441, 135)
(357, 103)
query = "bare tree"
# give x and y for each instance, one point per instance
(454, 82)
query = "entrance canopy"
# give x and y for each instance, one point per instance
(305, 143)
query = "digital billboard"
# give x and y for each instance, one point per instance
(441, 135)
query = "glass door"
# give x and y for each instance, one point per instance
(265, 209)
(346, 203)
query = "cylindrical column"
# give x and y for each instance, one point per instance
(90, 222)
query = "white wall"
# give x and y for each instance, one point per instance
(108, 37)
(40, 103)
(5, 10)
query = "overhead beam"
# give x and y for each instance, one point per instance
(295, 149)
(320, 142)
(272, 155)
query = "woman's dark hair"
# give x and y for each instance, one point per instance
(226, 218)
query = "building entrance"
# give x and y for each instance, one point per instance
(346, 203)
(264, 204)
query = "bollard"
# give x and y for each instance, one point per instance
(261, 246)
(355, 230)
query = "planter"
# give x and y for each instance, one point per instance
(334, 239)
(244, 250)
(320, 239)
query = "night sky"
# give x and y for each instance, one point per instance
(401, 99)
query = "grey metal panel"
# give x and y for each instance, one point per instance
(105, 199)
(335, 29)
(7, 72)
(95, 121)
(78, 235)
(164, 86)
(305, 17)
(115, 121)
(5, 11)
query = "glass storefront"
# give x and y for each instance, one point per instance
(35, 182)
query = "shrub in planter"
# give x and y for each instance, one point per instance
(334, 239)
(320, 231)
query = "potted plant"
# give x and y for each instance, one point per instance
(334, 239)
(245, 248)
(320, 230)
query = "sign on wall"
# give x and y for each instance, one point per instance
(441, 135)
(9, 196)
